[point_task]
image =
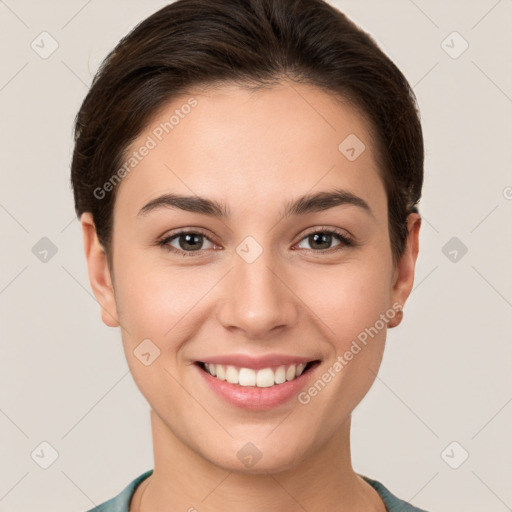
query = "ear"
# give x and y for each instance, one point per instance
(403, 277)
(99, 273)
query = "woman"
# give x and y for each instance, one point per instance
(247, 175)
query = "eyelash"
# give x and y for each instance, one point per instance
(346, 241)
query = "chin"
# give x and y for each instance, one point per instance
(262, 456)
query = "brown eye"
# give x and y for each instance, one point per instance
(186, 242)
(323, 240)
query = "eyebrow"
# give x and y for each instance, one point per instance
(303, 205)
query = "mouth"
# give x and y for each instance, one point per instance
(263, 377)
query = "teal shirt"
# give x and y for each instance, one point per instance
(121, 502)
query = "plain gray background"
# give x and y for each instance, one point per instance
(444, 389)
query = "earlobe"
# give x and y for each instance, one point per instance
(403, 278)
(99, 272)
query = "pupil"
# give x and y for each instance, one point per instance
(322, 239)
(193, 241)
(190, 239)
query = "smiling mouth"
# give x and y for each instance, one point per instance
(261, 378)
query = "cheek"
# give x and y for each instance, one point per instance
(348, 298)
(159, 301)
(156, 303)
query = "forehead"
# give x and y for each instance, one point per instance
(265, 145)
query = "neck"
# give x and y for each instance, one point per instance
(183, 480)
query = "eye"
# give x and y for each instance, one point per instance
(322, 240)
(192, 243)
(186, 242)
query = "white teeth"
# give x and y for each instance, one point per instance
(290, 373)
(221, 374)
(280, 375)
(264, 378)
(210, 368)
(247, 377)
(232, 375)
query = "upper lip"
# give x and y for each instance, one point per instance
(257, 362)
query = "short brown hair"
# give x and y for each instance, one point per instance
(246, 42)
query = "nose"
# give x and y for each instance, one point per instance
(256, 298)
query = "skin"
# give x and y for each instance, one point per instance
(254, 152)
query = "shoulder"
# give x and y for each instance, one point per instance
(121, 502)
(393, 504)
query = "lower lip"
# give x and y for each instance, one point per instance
(252, 397)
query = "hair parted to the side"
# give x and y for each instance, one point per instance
(254, 44)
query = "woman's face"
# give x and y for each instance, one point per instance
(265, 279)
